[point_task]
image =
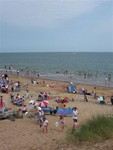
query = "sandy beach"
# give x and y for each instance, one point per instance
(26, 134)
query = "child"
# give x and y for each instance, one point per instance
(40, 116)
(75, 114)
(76, 124)
(45, 125)
(61, 122)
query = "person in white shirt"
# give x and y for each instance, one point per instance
(100, 100)
(75, 114)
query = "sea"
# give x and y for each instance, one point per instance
(94, 68)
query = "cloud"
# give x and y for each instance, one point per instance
(44, 13)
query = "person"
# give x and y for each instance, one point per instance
(72, 100)
(51, 110)
(12, 88)
(40, 117)
(85, 97)
(76, 124)
(111, 99)
(17, 72)
(12, 98)
(24, 109)
(106, 81)
(95, 95)
(27, 94)
(1, 103)
(43, 83)
(64, 106)
(61, 122)
(6, 89)
(95, 87)
(75, 114)
(100, 100)
(55, 110)
(45, 124)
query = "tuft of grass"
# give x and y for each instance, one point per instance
(95, 129)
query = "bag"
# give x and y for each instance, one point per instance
(56, 124)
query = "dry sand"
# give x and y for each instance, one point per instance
(25, 134)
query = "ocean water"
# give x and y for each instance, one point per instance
(88, 67)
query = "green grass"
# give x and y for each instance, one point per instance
(96, 129)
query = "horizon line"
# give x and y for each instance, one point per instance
(60, 52)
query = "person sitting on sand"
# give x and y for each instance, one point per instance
(74, 92)
(55, 110)
(45, 125)
(100, 100)
(24, 109)
(63, 106)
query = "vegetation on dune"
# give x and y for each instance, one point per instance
(95, 129)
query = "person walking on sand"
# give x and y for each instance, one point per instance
(1, 103)
(43, 83)
(40, 116)
(61, 122)
(75, 115)
(45, 125)
(106, 81)
(76, 124)
(85, 97)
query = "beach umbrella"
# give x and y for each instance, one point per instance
(43, 103)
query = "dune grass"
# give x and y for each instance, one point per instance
(96, 129)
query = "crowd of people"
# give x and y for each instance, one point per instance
(40, 115)
(44, 123)
(43, 96)
(17, 100)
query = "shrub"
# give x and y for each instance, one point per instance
(95, 129)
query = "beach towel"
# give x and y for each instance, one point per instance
(65, 111)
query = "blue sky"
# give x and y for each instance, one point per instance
(56, 25)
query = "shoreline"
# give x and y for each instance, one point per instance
(76, 79)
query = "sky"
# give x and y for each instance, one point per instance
(56, 25)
